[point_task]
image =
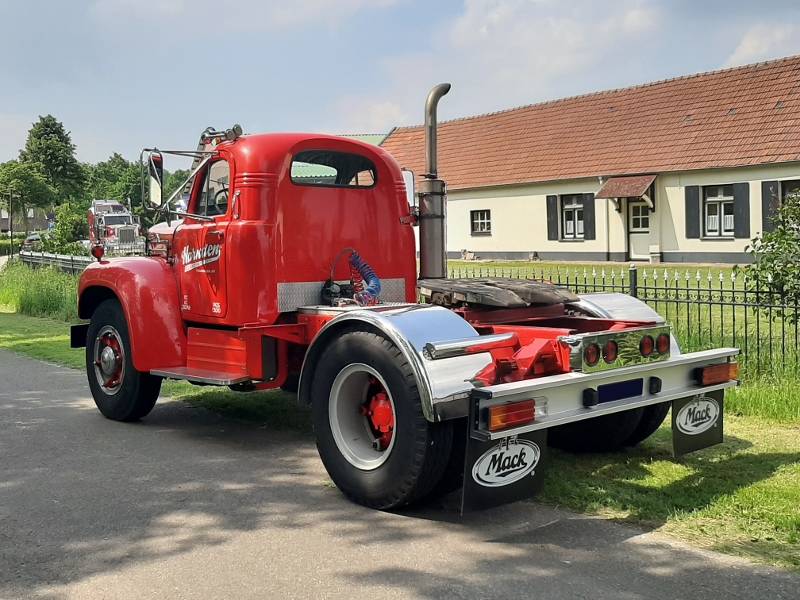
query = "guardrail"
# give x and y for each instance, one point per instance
(62, 262)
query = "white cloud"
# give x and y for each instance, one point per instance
(500, 54)
(764, 41)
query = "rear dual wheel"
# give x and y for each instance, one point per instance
(610, 432)
(372, 435)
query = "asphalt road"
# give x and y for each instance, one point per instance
(189, 505)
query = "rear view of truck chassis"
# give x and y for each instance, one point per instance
(408, 400)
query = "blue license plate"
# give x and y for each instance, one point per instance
(619, 390)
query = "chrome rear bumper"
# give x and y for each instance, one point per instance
(560, 398)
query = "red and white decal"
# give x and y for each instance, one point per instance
(198, 257)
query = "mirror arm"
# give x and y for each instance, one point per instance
(194, 172)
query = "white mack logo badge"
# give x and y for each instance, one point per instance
(507, 462)
(698, 416)
(197, 257)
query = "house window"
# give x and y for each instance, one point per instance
(640, 218)
(788, 188)
(572, 217)
(480, 222)
(718, 211)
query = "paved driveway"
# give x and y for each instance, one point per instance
(189, 505)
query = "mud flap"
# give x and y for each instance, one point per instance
(504, 470)
(697, 422)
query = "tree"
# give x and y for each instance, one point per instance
(30, 188)
(774, 275)
(114, 179)
(71, 227)
(173, 180)
(50, 149)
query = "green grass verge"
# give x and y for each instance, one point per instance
(741, 497)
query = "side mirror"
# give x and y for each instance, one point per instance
(155, 171)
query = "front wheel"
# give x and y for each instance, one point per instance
(120, 391)
(372, 435)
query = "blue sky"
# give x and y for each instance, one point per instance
(123, 74)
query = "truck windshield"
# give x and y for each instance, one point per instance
(117, 220)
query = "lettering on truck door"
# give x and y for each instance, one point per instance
(201, 245)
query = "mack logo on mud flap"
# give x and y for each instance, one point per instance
(197, 257)
(697, 416)
(505, 463)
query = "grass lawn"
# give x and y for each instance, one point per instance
(741, 497)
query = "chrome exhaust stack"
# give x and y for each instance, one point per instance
(432, 199)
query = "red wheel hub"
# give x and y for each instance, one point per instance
(380, 414)
(111, 368)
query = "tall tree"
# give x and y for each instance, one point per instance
(114, 179)
(28, 185)
(50, 149)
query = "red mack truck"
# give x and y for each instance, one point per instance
(294, 265)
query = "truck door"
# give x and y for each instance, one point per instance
(200, 245)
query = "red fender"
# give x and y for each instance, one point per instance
(148, 292)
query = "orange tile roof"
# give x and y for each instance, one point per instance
(734, 117)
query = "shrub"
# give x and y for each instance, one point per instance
(43, 292)
(775, 271)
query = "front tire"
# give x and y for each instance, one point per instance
(120, 392)
(372, 435)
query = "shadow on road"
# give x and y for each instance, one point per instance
(81, 496)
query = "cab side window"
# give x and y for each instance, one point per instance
(214, 194)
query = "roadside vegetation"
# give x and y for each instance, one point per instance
(741, 497)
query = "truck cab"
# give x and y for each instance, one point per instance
(294, 265)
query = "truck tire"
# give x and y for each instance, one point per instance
(292, 383)
(120, 392)
(601, 434)
(372, 435)
(652, 417)
(453, 477)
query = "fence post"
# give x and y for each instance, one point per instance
(633, 281)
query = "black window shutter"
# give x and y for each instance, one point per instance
(588, 216)
(770, 204)
(552, 217)
(741, 210)
(692, 213)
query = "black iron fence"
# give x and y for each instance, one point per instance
(706, 307)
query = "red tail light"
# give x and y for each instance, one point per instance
(610, 351)
(591, 354)
(504, 416)
(647, 345)
(662, 343)
(717, 373)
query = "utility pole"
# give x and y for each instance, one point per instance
(11, 219)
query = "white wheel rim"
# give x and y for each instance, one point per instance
(351, 430)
